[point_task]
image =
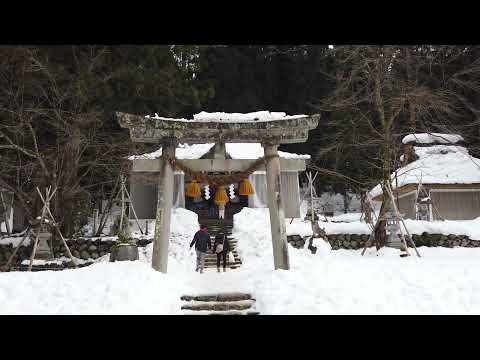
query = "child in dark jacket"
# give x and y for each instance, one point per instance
(221, 247)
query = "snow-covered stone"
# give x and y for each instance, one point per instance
(430, 138)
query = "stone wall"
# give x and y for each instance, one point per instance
(356, 241)
(296, 241)
(83, 248)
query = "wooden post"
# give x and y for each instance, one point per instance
(35, 243)
(277, 216)
(120, 230)
(46, 204)
(133, 210)
(106, 212)
(397, 213)
(7, 218)
(164, 207)
(94, 230)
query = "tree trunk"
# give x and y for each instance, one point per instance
(412, 123)
(379, 231)
(68, 179)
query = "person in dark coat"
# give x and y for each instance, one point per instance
(212, 207)
(201, 239)
(221, 247)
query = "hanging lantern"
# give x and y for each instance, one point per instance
(221, 196)
(246, 188)
(193, 190)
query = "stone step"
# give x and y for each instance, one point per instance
(229, 266)
(214, 265)
(214, 256)
(231, 312)
(218, 305)
(214, 260)
(233, 303)
(233, 296)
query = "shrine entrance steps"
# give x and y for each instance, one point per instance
(219, 304)
(213, 227)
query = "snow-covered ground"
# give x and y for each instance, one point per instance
(443, 281)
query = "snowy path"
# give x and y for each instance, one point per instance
(443, 281)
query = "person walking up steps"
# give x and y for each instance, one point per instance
(221, 247)
(201, 239)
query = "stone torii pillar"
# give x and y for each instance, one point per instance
(164, 208)
(275, 207)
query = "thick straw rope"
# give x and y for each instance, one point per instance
(219, 180)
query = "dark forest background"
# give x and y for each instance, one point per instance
(57, 105)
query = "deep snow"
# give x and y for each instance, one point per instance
(443, 281)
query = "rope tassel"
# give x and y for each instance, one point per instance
(193, 190)
(221, 196)
(246, 188)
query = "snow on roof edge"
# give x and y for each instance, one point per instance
(258, 116)
(437, 164)
(235, 150)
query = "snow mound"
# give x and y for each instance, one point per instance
(430, 138)
(105, 288)
(253, 233)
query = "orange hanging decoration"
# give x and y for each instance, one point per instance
(193, 190)
(246, 188)
(221, 196)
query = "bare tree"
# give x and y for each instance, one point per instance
(386, 90)
(51, 133)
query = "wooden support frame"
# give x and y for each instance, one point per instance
(46, 214)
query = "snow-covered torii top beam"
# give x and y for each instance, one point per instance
(260, 127)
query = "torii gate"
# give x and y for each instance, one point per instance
(170, 132)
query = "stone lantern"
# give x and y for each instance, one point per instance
(423, 209)
(44, 252)
(393, 231)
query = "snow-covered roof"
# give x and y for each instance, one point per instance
(233, 117)
(437, 164)
(235, 150)
(430, 138)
